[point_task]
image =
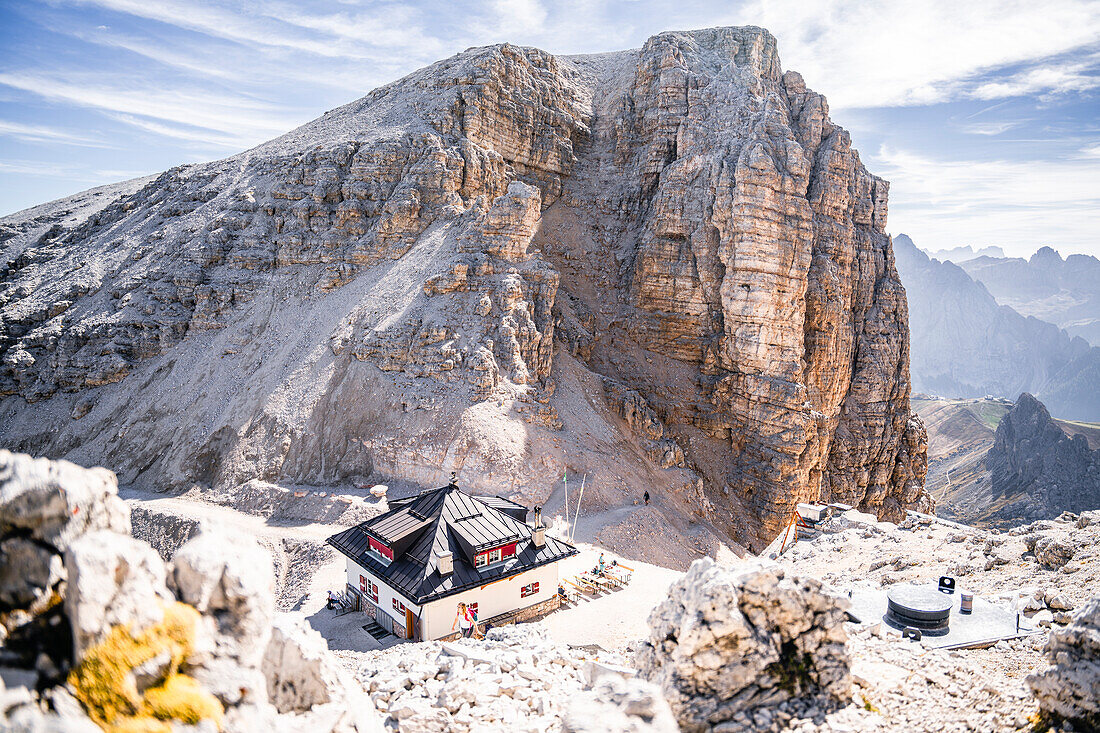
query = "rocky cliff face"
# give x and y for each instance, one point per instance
(664, 267)
(1037, 470)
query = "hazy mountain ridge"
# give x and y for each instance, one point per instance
(958, 255)
(964, 344)
(1065, 292)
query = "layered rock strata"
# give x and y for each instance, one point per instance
(387, 291)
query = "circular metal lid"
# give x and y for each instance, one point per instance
(920, 601)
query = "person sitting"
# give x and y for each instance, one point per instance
(333, 600)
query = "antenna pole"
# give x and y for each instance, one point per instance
(564, 480)
(578, 515)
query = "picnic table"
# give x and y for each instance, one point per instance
(599, 581)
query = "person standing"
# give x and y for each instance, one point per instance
(464, 620)
(645, 497)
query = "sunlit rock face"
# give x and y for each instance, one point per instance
(662, 267)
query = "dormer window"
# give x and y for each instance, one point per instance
(384, 553)
(495, 555)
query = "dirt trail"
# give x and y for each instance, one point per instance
(199, 511)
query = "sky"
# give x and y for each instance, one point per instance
(984, 116)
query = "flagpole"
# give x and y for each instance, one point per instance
(577, 518)
(564, 480)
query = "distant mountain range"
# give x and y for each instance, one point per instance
(965, 344)
(1063, 292)
(958, 255)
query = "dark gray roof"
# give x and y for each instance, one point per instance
(453, 521)
(398, 525)
(509, 507)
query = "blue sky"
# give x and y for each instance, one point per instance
(983, 115)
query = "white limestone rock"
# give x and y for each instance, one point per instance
(1069, 689)
(726, 642)
(1059, 603)
(302, 677)
(1043, 618)
(229, 579)
(58, 501)
(112, 579)
(618, 705)
(1051, 552)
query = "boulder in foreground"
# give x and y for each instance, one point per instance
(726, 645)
(1070, 689)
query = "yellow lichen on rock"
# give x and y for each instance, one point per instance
(182, 698)
(104, 681)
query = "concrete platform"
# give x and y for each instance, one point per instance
(985, 626)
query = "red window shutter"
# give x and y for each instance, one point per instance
(381, 549)
(534, 588)
(508, 550)
(363, 584)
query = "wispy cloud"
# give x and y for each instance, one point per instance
(1046, 79)
(518, 16)
(44, 134)
(1018, 204)
(1091, 151)
(214, 21)
(204, 137)
(382, 27)
(36, 168)
(163, 54)
(988, 129)
(916, 53)
(239, 116)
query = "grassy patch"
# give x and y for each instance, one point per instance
(990, 413)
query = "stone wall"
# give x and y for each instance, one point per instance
(530, 613)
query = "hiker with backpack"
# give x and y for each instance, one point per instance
(466, 620)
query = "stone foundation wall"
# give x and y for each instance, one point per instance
(530, 613)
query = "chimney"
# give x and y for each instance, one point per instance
(538, 534)
(445, 563)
